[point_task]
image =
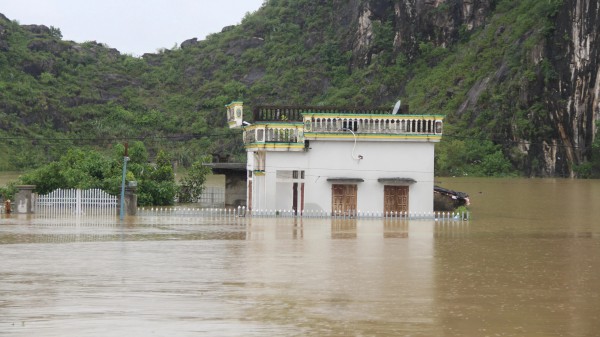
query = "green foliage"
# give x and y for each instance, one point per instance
(9, 191)
(193, 184)
(85, 169)
(77, 168)
(55, 32)
(471, 157)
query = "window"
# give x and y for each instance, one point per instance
(287, 175)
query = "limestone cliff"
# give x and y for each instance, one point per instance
(565, 86)
(573, 99)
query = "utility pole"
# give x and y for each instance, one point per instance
(125, 160)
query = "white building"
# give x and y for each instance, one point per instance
(338, 160)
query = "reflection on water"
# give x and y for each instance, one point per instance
(527, 264)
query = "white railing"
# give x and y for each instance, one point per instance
(274, 135)
(374, 125)
(80, 202)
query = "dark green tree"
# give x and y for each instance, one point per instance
(192, 185)
(157, 186)
(77, 168)
(90, 169)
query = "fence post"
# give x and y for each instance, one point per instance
(78, 202)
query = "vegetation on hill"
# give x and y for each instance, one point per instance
(56, 94)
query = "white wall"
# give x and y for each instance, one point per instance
(285, 197)
(333, 159)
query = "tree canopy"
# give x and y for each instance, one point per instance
(87, 168)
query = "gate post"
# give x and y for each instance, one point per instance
(24, 199)
(130, 200)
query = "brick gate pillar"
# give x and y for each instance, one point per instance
(23, 203)
(130, 200)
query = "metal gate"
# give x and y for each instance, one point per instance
(79, 202)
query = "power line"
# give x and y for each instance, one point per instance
(176, 137)
(192, 136)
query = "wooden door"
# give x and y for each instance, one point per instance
(295, 198)
(395, 199)
(343, 199)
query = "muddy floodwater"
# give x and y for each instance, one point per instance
(526, 264)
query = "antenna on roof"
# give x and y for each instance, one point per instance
(396, 107)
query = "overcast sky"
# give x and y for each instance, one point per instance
(131, 26)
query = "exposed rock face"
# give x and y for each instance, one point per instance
(189, 43)
(573, 99)
(37, 29)
(437, 21)
(237, 47)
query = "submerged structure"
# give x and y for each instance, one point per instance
(338, 160)
(448, 200)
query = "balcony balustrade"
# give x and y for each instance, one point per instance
(265, 134)
(280, 128)
(384, 124)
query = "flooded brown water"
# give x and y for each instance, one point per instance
(526, 264)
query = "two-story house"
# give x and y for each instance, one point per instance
(338, 160)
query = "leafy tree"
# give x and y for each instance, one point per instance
(89, 169)
(8, 192)
(75, 169)
(192, 185)
(158, 182)
(471, 157)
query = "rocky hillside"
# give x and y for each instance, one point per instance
(517, 80)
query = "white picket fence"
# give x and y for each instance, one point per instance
(242, 212)
(94, 202)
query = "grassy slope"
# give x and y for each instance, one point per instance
(55, 94)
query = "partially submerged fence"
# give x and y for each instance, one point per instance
(99, 203)
(79, 202)
(242, 212)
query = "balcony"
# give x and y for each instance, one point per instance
(384, 127)
(277, 137)
(285, 128)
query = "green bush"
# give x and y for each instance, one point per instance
(193, 184)
(87, 169)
